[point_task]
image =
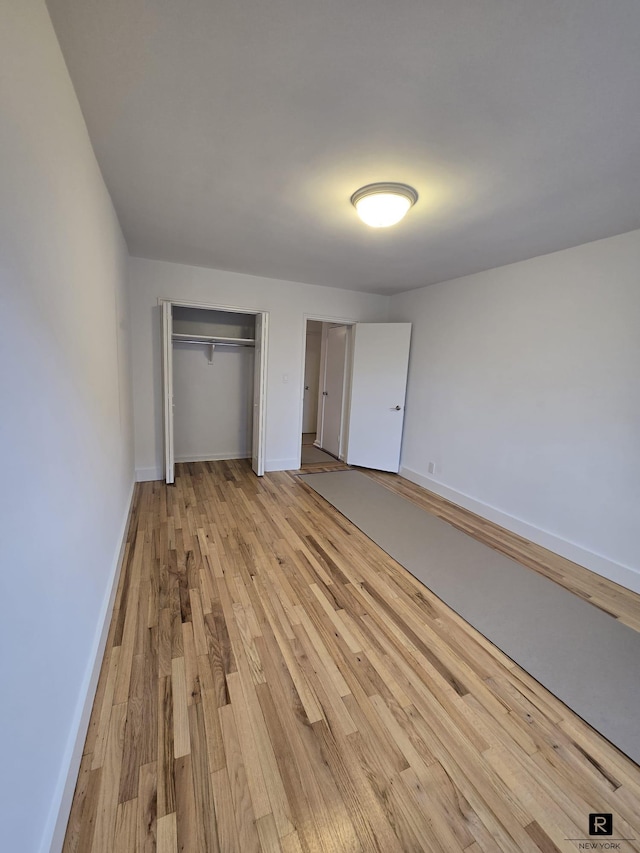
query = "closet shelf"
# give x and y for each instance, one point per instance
(213, 339)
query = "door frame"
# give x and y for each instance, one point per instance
(168, 447)
(338, 321)
(167, 381)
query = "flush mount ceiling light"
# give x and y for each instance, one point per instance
(381, 205)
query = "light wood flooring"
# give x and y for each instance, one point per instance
(273, 681)
(328, 464)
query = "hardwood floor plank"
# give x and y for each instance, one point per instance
(269, 839)
(191, 675)
(214, 739)
(167, 834)
(164, 641)
(166, 784)
(132, 747)
(181, 741)
(126, 824)
(199, 634)
(320, 668)
(372, 829)
(130, 605)
(190, 833)
(205, 811)
(250, 753)
(79, 835)
(303, 689)
(104, 718)
(238, 784)
(105, 821)
(288, 732)
(147, 813)
(228, 840)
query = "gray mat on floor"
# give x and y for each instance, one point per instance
(312, 455)
(583, 656)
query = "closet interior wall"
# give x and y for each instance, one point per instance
(212, 389)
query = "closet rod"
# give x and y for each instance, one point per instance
(213, 339)
(209, 343)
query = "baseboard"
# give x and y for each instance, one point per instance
(56, 825)
(143, 475)
(212, 457)
(607, 568)
(282, 464)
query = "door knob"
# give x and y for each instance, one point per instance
(396, 408)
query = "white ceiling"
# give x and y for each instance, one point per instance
(231, 133)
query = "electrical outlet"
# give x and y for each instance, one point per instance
(432, 467)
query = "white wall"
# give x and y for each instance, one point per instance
(287, 304)
(524, 390)
(65, 425)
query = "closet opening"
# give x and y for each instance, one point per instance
(214, 384)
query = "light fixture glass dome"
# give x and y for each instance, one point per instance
(381, 205)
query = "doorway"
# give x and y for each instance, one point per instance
(361, 396)
(325, 393)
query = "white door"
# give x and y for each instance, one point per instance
(311, 381)
(167, 388)
(334, 389)
(259, 393)
(378, 389)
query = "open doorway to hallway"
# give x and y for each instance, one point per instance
(325, 394)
